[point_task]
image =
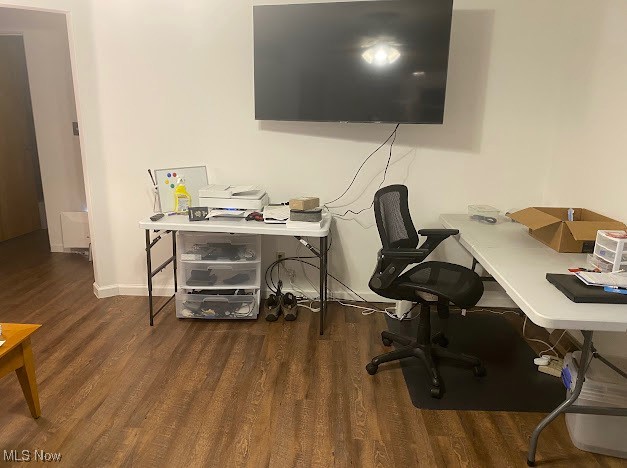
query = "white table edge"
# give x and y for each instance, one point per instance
(533, 315)
(182, 223)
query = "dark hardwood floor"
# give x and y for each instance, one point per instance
(116, 392)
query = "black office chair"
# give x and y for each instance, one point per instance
(427, 284)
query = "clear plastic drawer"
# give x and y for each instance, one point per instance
(219, 275)
(211, 248)
(214, 306)
(597, 262)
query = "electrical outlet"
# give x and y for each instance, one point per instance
(280, 255)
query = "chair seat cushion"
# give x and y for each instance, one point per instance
(460, 285)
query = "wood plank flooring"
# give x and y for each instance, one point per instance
(115, 392)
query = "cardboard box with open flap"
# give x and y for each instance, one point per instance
(551, 227)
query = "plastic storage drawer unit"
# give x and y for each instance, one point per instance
(603, 387)
(211, 307)
(611, 247)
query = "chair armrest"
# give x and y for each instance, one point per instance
(434, 237)
(408, 255)
(392, 262)
(438, 232)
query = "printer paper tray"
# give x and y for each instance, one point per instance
(235, 202)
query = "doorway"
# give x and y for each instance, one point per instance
(21, 192)
(39, 143)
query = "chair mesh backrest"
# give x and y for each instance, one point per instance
(391, 210)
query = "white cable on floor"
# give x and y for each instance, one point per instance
(302, 303)
(365, 310)
(499, 312)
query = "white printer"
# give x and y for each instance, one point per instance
(241, 197)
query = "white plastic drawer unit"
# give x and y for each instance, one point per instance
(611, 248)
(214, 307)
(196, 247)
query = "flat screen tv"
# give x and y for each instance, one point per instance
(366, 61)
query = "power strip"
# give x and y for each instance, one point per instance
(554, 367)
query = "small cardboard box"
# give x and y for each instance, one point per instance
(304, 203)
(551, 227)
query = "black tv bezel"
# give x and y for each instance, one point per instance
(408, 122)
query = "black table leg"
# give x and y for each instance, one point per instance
(586, 357)
(149, 274)
(323, 280)
(174, 262)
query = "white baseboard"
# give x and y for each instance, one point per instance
(105, 291)
(130, 290)
(341, 294)
(142, 290)
(494, 295)
(58, 248)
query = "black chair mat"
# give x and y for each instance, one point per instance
(513, 382)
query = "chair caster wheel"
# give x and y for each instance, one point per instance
(371, 368)
(436, 392)
(479, 371)
(386, 342)
(440, 339)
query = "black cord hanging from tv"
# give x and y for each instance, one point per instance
(385, 172)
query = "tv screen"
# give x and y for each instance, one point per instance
(367, 61)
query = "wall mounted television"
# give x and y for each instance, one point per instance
(364, 61)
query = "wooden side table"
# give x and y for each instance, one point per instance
(16, 355)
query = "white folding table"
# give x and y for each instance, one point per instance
(519, 263)
(175, 223)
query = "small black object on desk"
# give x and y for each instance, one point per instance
(198, 213)
(484, 219)
(575, 290)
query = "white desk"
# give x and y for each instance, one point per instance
(175, 223)
(234, 226)
(520, 263)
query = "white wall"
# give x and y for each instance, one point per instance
(175, 87)
(590, 147)
(54, 110)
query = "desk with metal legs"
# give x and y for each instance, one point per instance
(519, 264)
(178, 223)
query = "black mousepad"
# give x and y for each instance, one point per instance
(512, 383)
